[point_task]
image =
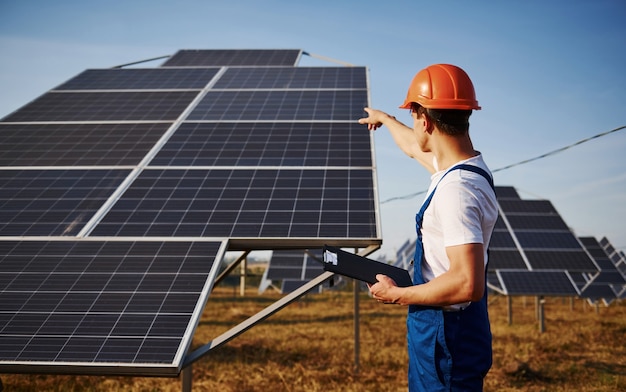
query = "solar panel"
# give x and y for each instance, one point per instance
(533, 251)
(280, 105)
(567, 259)
(548, 283)
(233, 145)
(404, 256)
(233, 57)
(293, 78)
(617, 257)
(596, 293)
(143, 79)
(509, 206)
(609, 282)
(505, 259)
(112, 306)
(62, 144)
(236, 203)
(506, 192)
(266, 144)
(294, 265)
(105, 106)
(533, 222)
(547, 240)
(502, 239)
(53, 202)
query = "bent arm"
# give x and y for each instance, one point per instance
(463, 282)
(402, 135)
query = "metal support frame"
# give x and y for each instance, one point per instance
(242, 277)
(510, 309)
(230, 268)
(357, 323)
(250, 322)
(540, 313)
(262, 315)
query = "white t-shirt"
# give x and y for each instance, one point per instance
(462, 211)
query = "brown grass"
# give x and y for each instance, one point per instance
(309, 346)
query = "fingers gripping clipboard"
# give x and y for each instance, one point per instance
(362, 268)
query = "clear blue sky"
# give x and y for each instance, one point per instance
(547, 74)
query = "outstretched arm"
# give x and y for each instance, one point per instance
(402, 135)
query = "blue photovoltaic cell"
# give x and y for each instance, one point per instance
(140, 79)
(267, 144)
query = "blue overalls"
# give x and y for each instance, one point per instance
(448, 350)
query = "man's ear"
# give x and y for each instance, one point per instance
(429, 125)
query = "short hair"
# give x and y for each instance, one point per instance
(454, 122)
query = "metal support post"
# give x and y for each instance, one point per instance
(242, 277)
(510, 309)
(540, 313)
(357, 346)
(187, 378)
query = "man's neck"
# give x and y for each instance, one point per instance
(450, 150)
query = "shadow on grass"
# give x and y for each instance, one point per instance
(294, 321)
(256, 353)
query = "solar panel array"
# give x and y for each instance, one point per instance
(293, 268)
(532, 250)
(609, 283)
(122, 189)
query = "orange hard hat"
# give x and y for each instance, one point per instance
(442, 86)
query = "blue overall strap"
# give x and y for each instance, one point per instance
(477, 170)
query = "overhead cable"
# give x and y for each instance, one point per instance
(553, 152)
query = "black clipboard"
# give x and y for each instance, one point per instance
(361, 268)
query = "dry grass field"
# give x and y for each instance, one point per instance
(309, 346)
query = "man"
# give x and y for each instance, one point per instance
(448, 332)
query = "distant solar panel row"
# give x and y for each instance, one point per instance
(294, 265)
(535, 230)
(550, 283)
